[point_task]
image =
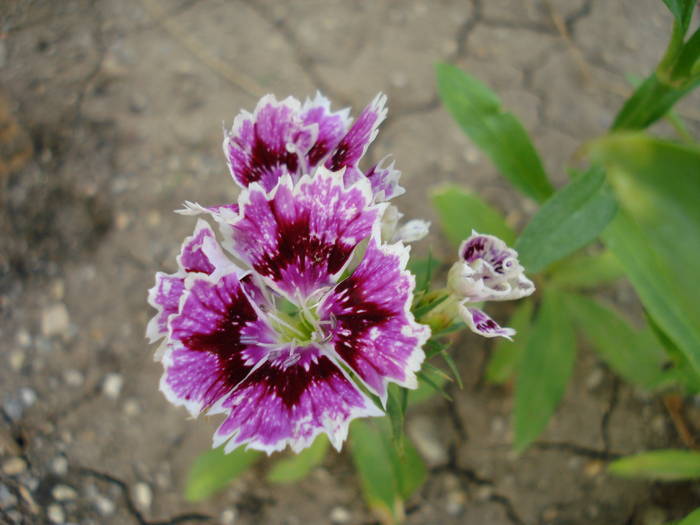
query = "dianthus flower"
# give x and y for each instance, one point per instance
(303, 311)
(486, 270)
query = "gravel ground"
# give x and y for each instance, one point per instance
(110, 117)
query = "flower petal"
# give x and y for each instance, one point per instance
(488, 270)
(200, 252)
(480, 323)
(300, 237)
(375, 333)
(289, 400)
(331, 127)
(164, 297)
(358, 138)
(385, 181)
(263, 146)
(215, 342)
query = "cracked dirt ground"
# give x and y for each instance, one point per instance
(110, 117)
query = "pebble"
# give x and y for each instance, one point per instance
(340, 515)
(73, 378)
(131, 407)
(455, 502)
(143, 495)
(64, 493)
(23, 338)
(28, 499)
(55, 320)
(13, 407)
(228, 517)
(55, 513)
(594, 379)
(7, 499)
(484, 493)
(16, 359)
(112, 385)
(105, 506)
(14, 466)
(593, 468)
(59, 465)
(550, 514)
(653, 516)
(28, 396)
(424, 433)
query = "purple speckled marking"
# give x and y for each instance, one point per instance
(480, 323)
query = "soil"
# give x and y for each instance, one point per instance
(110, 117)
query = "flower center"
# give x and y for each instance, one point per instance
(298, 324)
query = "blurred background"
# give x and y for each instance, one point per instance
(111, 116)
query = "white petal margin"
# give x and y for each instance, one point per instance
(481, 324)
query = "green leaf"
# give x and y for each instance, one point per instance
(213, 470)
(428, 380)
(396, 410)
(682, 11)
(636, 355)
(650, 102)
(297, 466)
(544, 370)
(460, 212)
(656, 235)
(501, 135)
(506, 355)
(691, 519)
(659, 465)
(682, 370)
(422, 309)
(387, 478)
(569, 220)
(587, 271)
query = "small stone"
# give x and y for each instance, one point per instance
(58, 289)
(59, 465)
(105, 506)
(14, 466)
(28, 396)
(73, 378)
(594, 379)
(28, 499)
(228, 517)
(425, 436)
(593, 468)
(13, 407)
(23, 338)
(153, 218)
(484, 493)
(131, 407)
(112, 385)
(143, 495)
(122, 221)
(55, 320)
(16, 359)
(340, 515)
(64, 493)
(55, 513)
(7, 499)
(455, 502)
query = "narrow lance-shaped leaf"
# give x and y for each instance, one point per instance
(213, 470)
(634, 354)
(572, 218)
(479, 113)
(297, 466)
(387, 479)
(586, 271)
(659, 465)
(506, 355)
(682, 11)
(657, 238)
(460, 212)
(544, 370)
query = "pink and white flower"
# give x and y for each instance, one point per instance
(487, 270)
(286, 340)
